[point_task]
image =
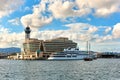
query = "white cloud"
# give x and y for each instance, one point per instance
(47, 10)
(108, 37)
(64, 10)
(82, 27)
(101, 39)
(3, 30)
(86, 31)
(106, 7)
(76, 31)
(36, 19)
(108, 29)
(92, 29)
(10, 39)
(116, 31)
(15, 21)
(77, 27)
(101, 8)
(9, 6)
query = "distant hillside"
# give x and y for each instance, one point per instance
(9, 50)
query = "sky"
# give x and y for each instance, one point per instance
(96, 21)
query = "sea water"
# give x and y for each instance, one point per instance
(100, 69)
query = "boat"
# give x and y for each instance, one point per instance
(90, 57)
(69, 54)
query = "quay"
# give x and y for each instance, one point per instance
(109, 55)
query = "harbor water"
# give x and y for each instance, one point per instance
(100, 69)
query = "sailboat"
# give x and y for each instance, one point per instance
(89, 57)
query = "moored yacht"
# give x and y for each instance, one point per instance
(69, 54)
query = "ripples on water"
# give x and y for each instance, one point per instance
(101, 69)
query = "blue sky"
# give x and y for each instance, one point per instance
(97, 21)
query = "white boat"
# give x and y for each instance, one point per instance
(69, 54)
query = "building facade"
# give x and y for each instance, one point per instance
(54, 45)
(31, 45)
(58, 44)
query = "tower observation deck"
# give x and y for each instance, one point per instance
(27, 32)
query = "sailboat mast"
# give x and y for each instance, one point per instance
(88, 47)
